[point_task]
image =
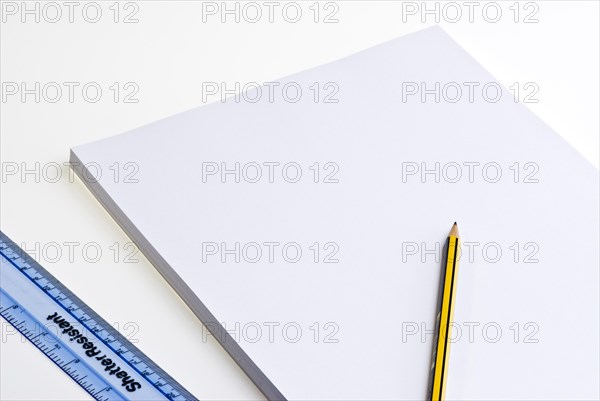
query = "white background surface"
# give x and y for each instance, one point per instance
(169, 53)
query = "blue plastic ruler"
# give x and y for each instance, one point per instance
(74, 337)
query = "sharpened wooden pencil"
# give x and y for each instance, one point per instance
(441, 347)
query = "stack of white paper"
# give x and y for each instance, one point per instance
(312, 229)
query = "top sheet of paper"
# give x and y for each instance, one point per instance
(312, 226)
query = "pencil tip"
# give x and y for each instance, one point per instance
(454, 230)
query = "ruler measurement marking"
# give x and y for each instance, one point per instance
(99, 391)
(64, 366)
(7, 308)
(33, 338)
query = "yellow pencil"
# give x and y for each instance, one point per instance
(441, 347)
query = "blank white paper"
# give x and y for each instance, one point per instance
(359, 327)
